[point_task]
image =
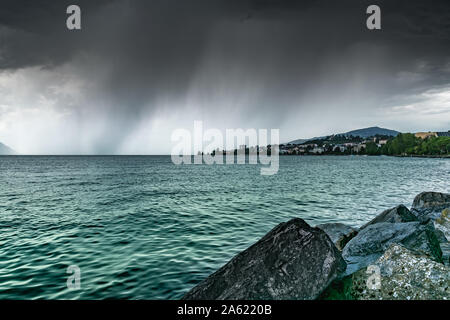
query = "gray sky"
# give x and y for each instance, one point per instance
(140, 69)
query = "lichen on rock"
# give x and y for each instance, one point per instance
(406, 275)
(403, 275)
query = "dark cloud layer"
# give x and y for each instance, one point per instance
(270, 54)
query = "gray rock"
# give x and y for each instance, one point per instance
(399, 274)
(442, 225)
(339, 233)
(429, 205)
(293, 261)
(393, 215)
(434, 206)
(371, 242)
(431, 200)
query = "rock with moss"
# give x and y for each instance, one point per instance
(442, 223)
(399, 274)
(339, 233)
(293, 261)
(372, 242)
(394, 215)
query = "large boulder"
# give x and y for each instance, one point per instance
(293, 261)
(339, 233)
(429, 205)
(398, 274)
(431, 200)
(393, 215)
(372, 241)
(435, 206)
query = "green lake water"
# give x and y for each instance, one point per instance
(144, 228)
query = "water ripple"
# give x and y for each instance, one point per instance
(143, 228)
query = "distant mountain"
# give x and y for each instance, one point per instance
(298, 141)
(363, 133)
(370, 132)
(5, 150)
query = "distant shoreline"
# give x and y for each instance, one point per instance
(368, 155)
(447, 156)
(168, 155)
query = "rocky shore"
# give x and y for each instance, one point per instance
(400, 254)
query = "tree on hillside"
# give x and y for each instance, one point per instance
(435, 146)
(404, 143)
(372, 149)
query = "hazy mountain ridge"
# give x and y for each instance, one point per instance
(370, 132)
(5, 150)
(363, 133)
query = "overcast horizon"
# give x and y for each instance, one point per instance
(137, 70)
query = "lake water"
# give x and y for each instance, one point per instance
(143, 228)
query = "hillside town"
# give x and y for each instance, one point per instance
(378, 144)
(332, 145)
(348, 144)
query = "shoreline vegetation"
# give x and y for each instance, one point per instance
(401, 254)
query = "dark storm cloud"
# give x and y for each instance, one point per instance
(132, 54)
(165, 39)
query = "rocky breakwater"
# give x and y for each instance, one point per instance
(400, 254)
